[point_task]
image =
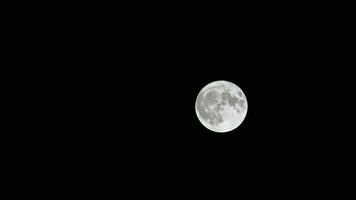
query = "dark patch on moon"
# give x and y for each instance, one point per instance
(241, 103)
(210, 97)
(232, 100)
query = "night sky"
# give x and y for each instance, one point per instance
(130, 82)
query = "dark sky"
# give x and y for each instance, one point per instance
(118, 84)
(130, 84)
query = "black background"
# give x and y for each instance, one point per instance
(139, 74)
(132, 79)
(124, 84)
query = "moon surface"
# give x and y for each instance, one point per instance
(221, 106)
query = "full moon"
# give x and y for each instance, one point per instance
(221, 106)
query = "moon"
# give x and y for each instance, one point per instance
(221, 106)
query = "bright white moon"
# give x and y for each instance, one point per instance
(221, 106)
